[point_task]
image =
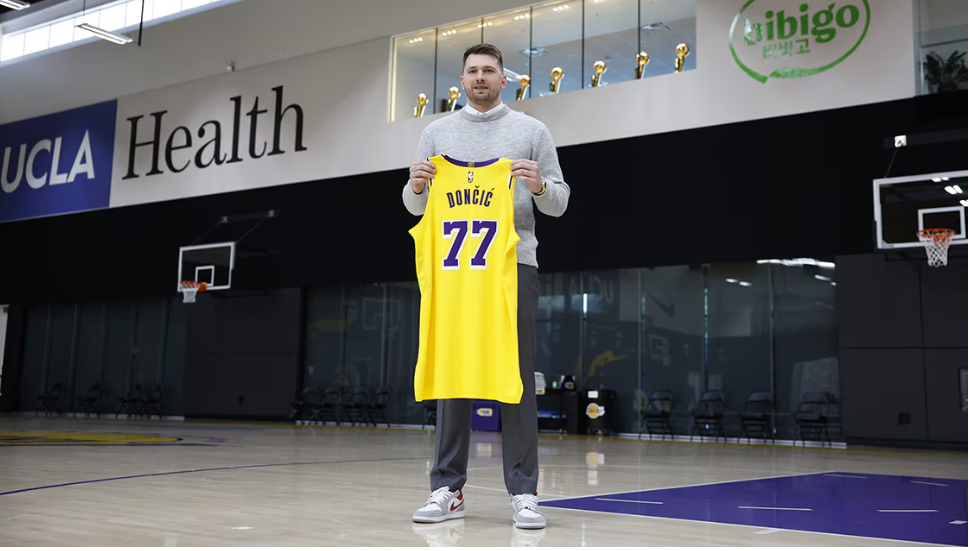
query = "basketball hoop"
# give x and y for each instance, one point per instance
(189, 289)
(936, 241)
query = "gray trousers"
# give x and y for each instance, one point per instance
(520, 424)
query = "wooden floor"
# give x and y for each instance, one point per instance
(66, 482)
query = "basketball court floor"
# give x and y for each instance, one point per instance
(76, 482)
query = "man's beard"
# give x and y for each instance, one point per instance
(493, 94)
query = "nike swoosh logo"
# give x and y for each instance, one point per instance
(455, 506)
(667, 308)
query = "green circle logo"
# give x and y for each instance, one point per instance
(769, 39)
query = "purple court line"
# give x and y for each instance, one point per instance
(204, 471)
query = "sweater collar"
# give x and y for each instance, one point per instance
(471, 114)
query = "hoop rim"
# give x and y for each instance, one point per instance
(931, 231)
(185, 285)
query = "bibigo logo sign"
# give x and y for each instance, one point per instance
(787, 39)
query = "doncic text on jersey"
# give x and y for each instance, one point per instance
(211, 151)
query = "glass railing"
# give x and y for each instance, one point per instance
(549, 48)
(941, 46)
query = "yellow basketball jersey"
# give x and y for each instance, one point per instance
(466, 264)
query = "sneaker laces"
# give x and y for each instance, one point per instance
(439, 496)
(526, 501)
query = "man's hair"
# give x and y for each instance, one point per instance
(483, 49)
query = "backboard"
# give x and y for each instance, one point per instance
(907, 204)
(211, 263)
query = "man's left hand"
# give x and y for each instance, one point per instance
(527, 172)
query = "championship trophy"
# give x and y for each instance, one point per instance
(524, 81)
(599, 68)
(453, 93)
(682, 51)
(642, 59)
(556, 78)
(422, 101)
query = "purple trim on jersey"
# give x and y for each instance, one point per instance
(907, 508)
(466, 163)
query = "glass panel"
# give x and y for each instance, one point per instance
(13, 46)
(610, 343)
(325, 338)
(806, 338)
(364, 322)
(942, 45)
(559, 327)
(37, 40)
(173, 375)
(117, 354)
(510, 32)
(610, 36)
(113, 18)
(739, 335)
(452, 43)
(90, 350)
(557, 41)
(59, 353)
(62, 33)
(413, 73)
(663, 25)
(403, 310)
(672, 343)
(34, 381)
(148, 343)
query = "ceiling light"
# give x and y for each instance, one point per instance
(101, 33)
(15, 4)
(937, 179)
(958, 188)
(946, 179)
(833, 284)
(822, 278)
(745, 284)
(964, 202)
(731, 280)
(950, 190)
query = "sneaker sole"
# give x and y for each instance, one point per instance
(449, 516)
(529, 525)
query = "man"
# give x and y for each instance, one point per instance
(487, 129)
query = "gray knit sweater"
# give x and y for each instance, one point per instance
(470, 135)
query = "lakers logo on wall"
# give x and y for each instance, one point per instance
(594, 410)
(80, 439)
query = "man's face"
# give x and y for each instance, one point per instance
(482, 79)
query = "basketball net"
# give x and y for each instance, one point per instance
(189, 289)
(937, 242)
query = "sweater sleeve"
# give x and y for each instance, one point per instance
(417, 202)
(554, 201)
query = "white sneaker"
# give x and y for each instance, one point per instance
(443, 504)
(525, 512)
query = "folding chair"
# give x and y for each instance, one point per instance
(151, 403)
(709, 415)
(811, 417)
(378, 406)
(131, 402)
(756, 417)
(90, 401)
(657, 415)
(49, 400)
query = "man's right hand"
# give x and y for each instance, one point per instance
(421, 171)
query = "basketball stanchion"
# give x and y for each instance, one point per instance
(937, 242)
(190, 288)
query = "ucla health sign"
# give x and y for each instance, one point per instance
(59, 163)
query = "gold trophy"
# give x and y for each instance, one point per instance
(524, 81)
(682, 51)
(453, 93)
(599, 68)
(422, 101)
(556, 78)
(642, 59)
